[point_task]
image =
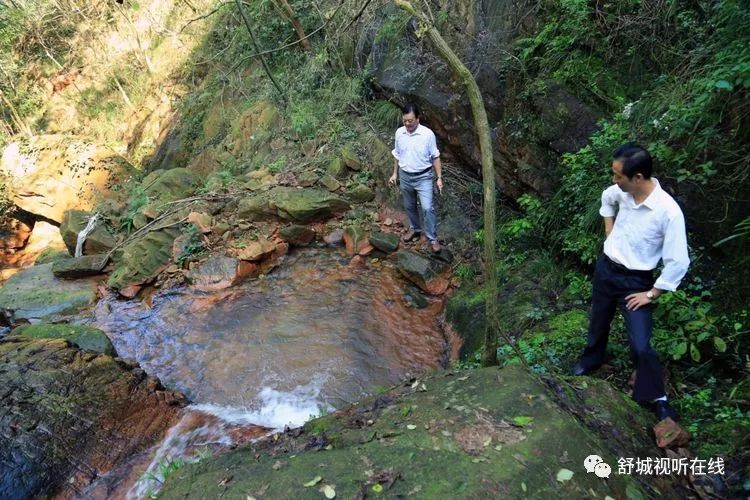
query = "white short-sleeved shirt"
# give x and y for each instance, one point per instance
(647, 233)
(415, 151)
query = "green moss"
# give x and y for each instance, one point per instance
(84, 337)
(456, 441)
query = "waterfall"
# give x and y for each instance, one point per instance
(84, 233)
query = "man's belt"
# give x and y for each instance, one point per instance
(417, 173)
(624, 270)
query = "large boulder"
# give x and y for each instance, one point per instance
(79, 267)
(51, 174)
(143, 258)
(99, 240)
(219, 272)
(489, 433)
(84, 337)
(36, 294)
(425, 272)
(170, 185)
(68, 417)
(297, 205)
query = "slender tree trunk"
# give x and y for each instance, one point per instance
(20, 125)
(287, 12)
(462, 73)
(257, 50)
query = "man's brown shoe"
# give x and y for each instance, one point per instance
(436, 247)
(410, 236)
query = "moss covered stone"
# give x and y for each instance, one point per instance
(337, 168)
(360, 194)
(83, 337)
(35, 294)
(351, 158)
(171, 185)
(486, 433)
(142, 259)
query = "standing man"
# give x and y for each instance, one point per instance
(416, 154)
(649, 226)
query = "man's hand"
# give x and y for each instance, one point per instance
(392, 180)
(634, 301)
(440, 185)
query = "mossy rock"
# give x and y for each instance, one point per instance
(465, 311)
(297, 235)
(421, 270)
(330, 183)
(307, 205)
(51, 255)
(385, 242)
(171, 185)
(81, 336)
(142, 259)
(100, 240)
(36, 294)
(79, 267)
(360, 194)
(351, 158)
(486, 433)
(337, 168)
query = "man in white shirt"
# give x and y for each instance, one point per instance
(643, 225)
(416, 155)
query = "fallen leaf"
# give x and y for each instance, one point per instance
(411, 427)
(313, 482)
(487, 443)
(564, 475)
(462, 378)
(328, 491)
(377, 488)
(225, 480)
(522, 420)
(277, 465)
(523, 487)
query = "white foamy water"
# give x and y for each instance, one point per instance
(206, 427)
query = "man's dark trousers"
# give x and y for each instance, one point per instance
(612, 283)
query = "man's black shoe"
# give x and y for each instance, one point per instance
(579, 370)
(663, 410)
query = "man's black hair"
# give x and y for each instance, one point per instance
(634, 159)
(410, 108)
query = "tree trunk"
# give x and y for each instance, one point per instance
(462, 73)
(288, 13)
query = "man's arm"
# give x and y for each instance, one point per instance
(394, 177)
(438, 172)
(609, 223)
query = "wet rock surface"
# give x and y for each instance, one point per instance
(486, 433)
(36, 294)
(69, 416)
(425, 272)
(80, 267)
(142, 259)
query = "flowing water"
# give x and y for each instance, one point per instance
(313, 335)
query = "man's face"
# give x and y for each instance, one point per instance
(621, 179)
(410, 122)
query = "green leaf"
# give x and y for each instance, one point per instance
(564, 475)
(724, 85)
(523, 420)
(720, 345)
(680, 350)
(377, 488)
(329, 492)
(313, 482)
(695, 353)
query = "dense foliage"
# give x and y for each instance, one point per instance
(675, 77)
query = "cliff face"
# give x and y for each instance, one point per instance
(405, 68)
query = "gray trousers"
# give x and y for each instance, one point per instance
(415, 187)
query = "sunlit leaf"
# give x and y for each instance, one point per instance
(564, 475)
(313, 481)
